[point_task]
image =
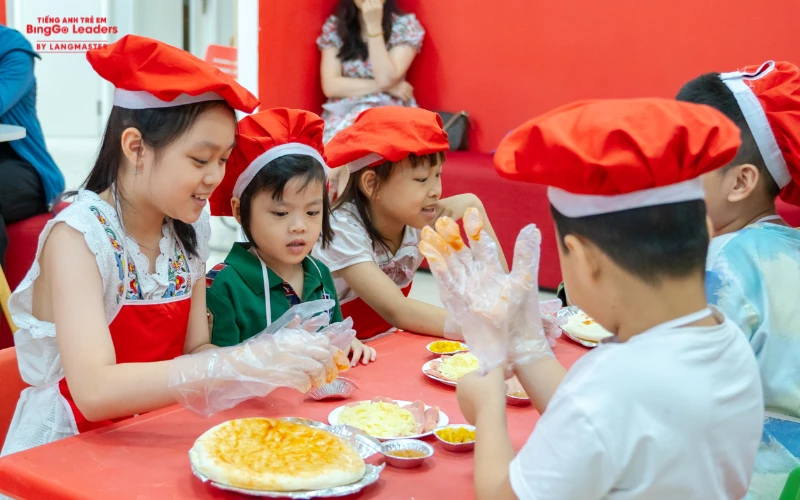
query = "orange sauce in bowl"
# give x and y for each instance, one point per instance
(407, 453)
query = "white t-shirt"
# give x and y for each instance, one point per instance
(352, 245)
(674, 414)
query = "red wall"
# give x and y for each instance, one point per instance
(288, 65)
(505, 62)
(3, 12)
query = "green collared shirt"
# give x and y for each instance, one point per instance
(235, 295)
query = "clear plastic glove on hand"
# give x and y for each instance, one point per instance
(552, 324)
(299, 351)
(498, 312)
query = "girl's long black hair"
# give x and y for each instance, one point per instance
(159, 127)
(349, 28)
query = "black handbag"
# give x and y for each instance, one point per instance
(457, 127)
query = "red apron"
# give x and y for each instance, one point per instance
(366, 322)
(143, 331)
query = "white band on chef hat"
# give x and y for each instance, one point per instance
(255, 166)
(139, 99)
(364, 161)
(583, 205)
(756, 119)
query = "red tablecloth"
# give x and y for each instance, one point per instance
(147, 457)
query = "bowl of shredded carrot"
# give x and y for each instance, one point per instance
(446, 347)
(456, 437)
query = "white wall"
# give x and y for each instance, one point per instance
(247, 43)
(212, 22)
(73, 103)
(160, 19)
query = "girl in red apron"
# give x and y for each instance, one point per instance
(395, 157)
(110, 300)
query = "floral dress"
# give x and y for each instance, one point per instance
(340, 113)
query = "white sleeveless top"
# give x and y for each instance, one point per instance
(42, 414)
(352, 245)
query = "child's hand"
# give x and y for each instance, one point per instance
(361, 352)
(477, 393)
(456, 206)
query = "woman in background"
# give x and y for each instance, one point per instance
(367, 47)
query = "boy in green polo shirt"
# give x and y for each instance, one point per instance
(275, 188)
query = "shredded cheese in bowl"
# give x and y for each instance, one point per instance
(380, 419)
(458, 365)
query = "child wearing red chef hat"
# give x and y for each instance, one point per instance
(112, 314)
(274, 186)
(395, 156)
(671, 405)
(753, 266)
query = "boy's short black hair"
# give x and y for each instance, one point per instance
(274, 177)
(652, 243)
(710, 90)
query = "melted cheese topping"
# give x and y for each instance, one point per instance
(260, 445)
(455, 367)
(380, 419)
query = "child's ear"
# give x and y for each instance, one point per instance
(746, 180)
(236, 208)
(368, 183)
(132, 145)
(583, 257)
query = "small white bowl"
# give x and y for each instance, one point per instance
(406, 444)
(341, 388)
(464, 348)
(457, 447)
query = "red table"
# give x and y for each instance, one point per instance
(146, 457)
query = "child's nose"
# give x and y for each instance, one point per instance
(298, 225)
(214, 175)
(436, 190)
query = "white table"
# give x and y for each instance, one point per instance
(11, 133)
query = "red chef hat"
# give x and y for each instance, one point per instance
(389, 133)
(261, 138)
(147, 73)
(769, 97)
(607, 156)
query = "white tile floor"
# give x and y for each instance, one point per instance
(75, 157)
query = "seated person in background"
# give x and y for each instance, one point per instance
(396, 156)
(753, 267)
(274, 186)
(30, 181)
(669, 408)
(367, 48)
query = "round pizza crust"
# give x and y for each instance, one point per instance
(275, 455)
(585, 328)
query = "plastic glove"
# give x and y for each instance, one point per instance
(294, 355)
(552, 324)
(498, 312)
(452, 330)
